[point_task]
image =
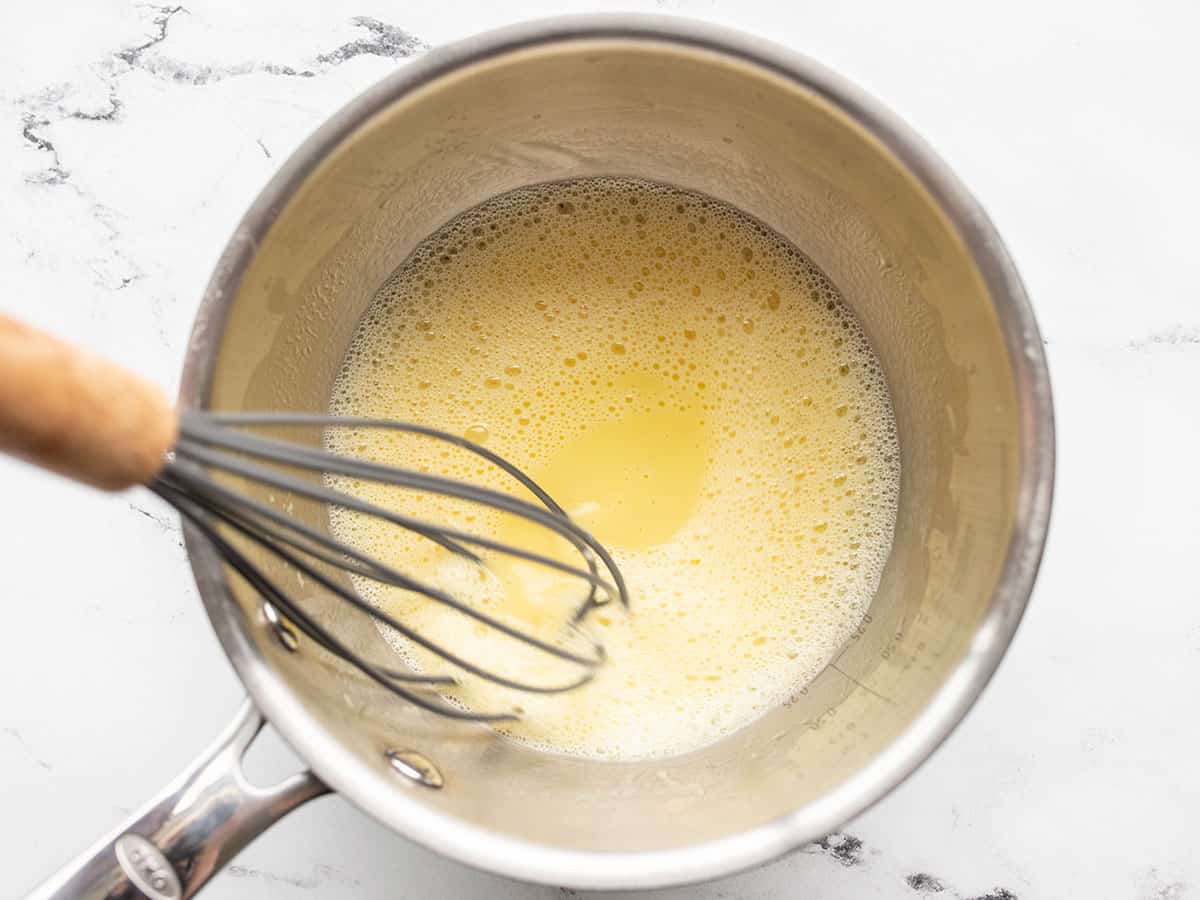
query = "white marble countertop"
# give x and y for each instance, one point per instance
(133, 136)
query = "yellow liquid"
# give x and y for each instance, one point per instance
(693, 392)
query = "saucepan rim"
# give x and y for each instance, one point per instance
(358, 782)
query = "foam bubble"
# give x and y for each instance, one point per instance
(573, 324)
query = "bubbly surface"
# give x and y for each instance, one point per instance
(692, 390)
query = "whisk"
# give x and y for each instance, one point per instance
(82, 416)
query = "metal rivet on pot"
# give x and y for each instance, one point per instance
(283, 632)
(415, 767)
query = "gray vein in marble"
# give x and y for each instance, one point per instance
(16, 736)
(125, 271)
(108, 115)
(55, 173)
(384, 40)
(1175, 336)
(59, 102)
(164, 523)
(924, 883)
(161, 23)
(851, 852)
(845, 848)
(927, 885)
(321, 874)
(1155, 887)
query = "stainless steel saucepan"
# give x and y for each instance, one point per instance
(781, 138)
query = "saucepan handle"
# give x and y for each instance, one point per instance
(185, 835)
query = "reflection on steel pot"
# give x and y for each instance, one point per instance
(786, 141)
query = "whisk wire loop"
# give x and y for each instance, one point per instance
(210, 443)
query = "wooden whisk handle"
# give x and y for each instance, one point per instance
(73, 412)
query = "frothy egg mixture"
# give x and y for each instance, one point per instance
(692, 390)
